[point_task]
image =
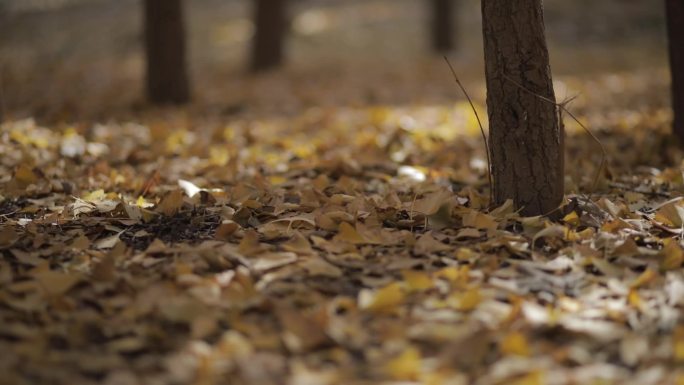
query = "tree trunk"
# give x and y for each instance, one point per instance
(271, 26)
(442, 25)
(167, 79)
(675, 32)
(525, 137)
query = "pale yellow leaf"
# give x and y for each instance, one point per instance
(515, 343)
(406, 366)
(384, 300)
(417, 280)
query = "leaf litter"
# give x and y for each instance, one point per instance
(303, 252)
(339, 246)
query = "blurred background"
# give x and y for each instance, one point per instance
(65, 60)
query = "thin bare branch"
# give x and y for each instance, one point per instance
(479, 122)
(562, 106)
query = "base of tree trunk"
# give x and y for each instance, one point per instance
(525, 137)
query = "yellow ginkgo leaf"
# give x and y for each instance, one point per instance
(417, 280)
(644, 279)
(178, 139)
(451, 273)
(219, 155)
(466, 301)
(515, 344)
(572, 219)
(634, 299)
(456, 276)
(406, 366)
(465, 254)
(384, 300)
(94, 196)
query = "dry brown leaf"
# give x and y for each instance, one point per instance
(479, 220)
(271, 260)
(347, 233)
(427, 244)
(226, 230)
(170, 203)
(432, 202)
(298, 244)
(56, 284)
(673, 255)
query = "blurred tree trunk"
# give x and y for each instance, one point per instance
(167, 78)
(3, 106)
(443, 25)
(271, 26)
(675, 31)
(525, 136)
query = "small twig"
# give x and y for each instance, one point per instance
(482, 131)
(413, 203)
(561, 106)
(152, 181)
(9, 213)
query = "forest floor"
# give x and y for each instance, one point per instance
(328, 223)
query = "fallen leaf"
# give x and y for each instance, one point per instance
(427, 244)
(479, 220)
(347, 233)
(170, 203)
(383, 300)
(515, 344)
(55, 283)
(406, 366)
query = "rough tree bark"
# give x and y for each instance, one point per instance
(271, 26)
(442, 25)
(526, 139)
(167, 79)
(675, 32)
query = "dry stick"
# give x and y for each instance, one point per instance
(413, 204)
(561, 107)
(484, 137)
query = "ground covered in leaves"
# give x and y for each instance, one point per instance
(337, 247)
(309, 240)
